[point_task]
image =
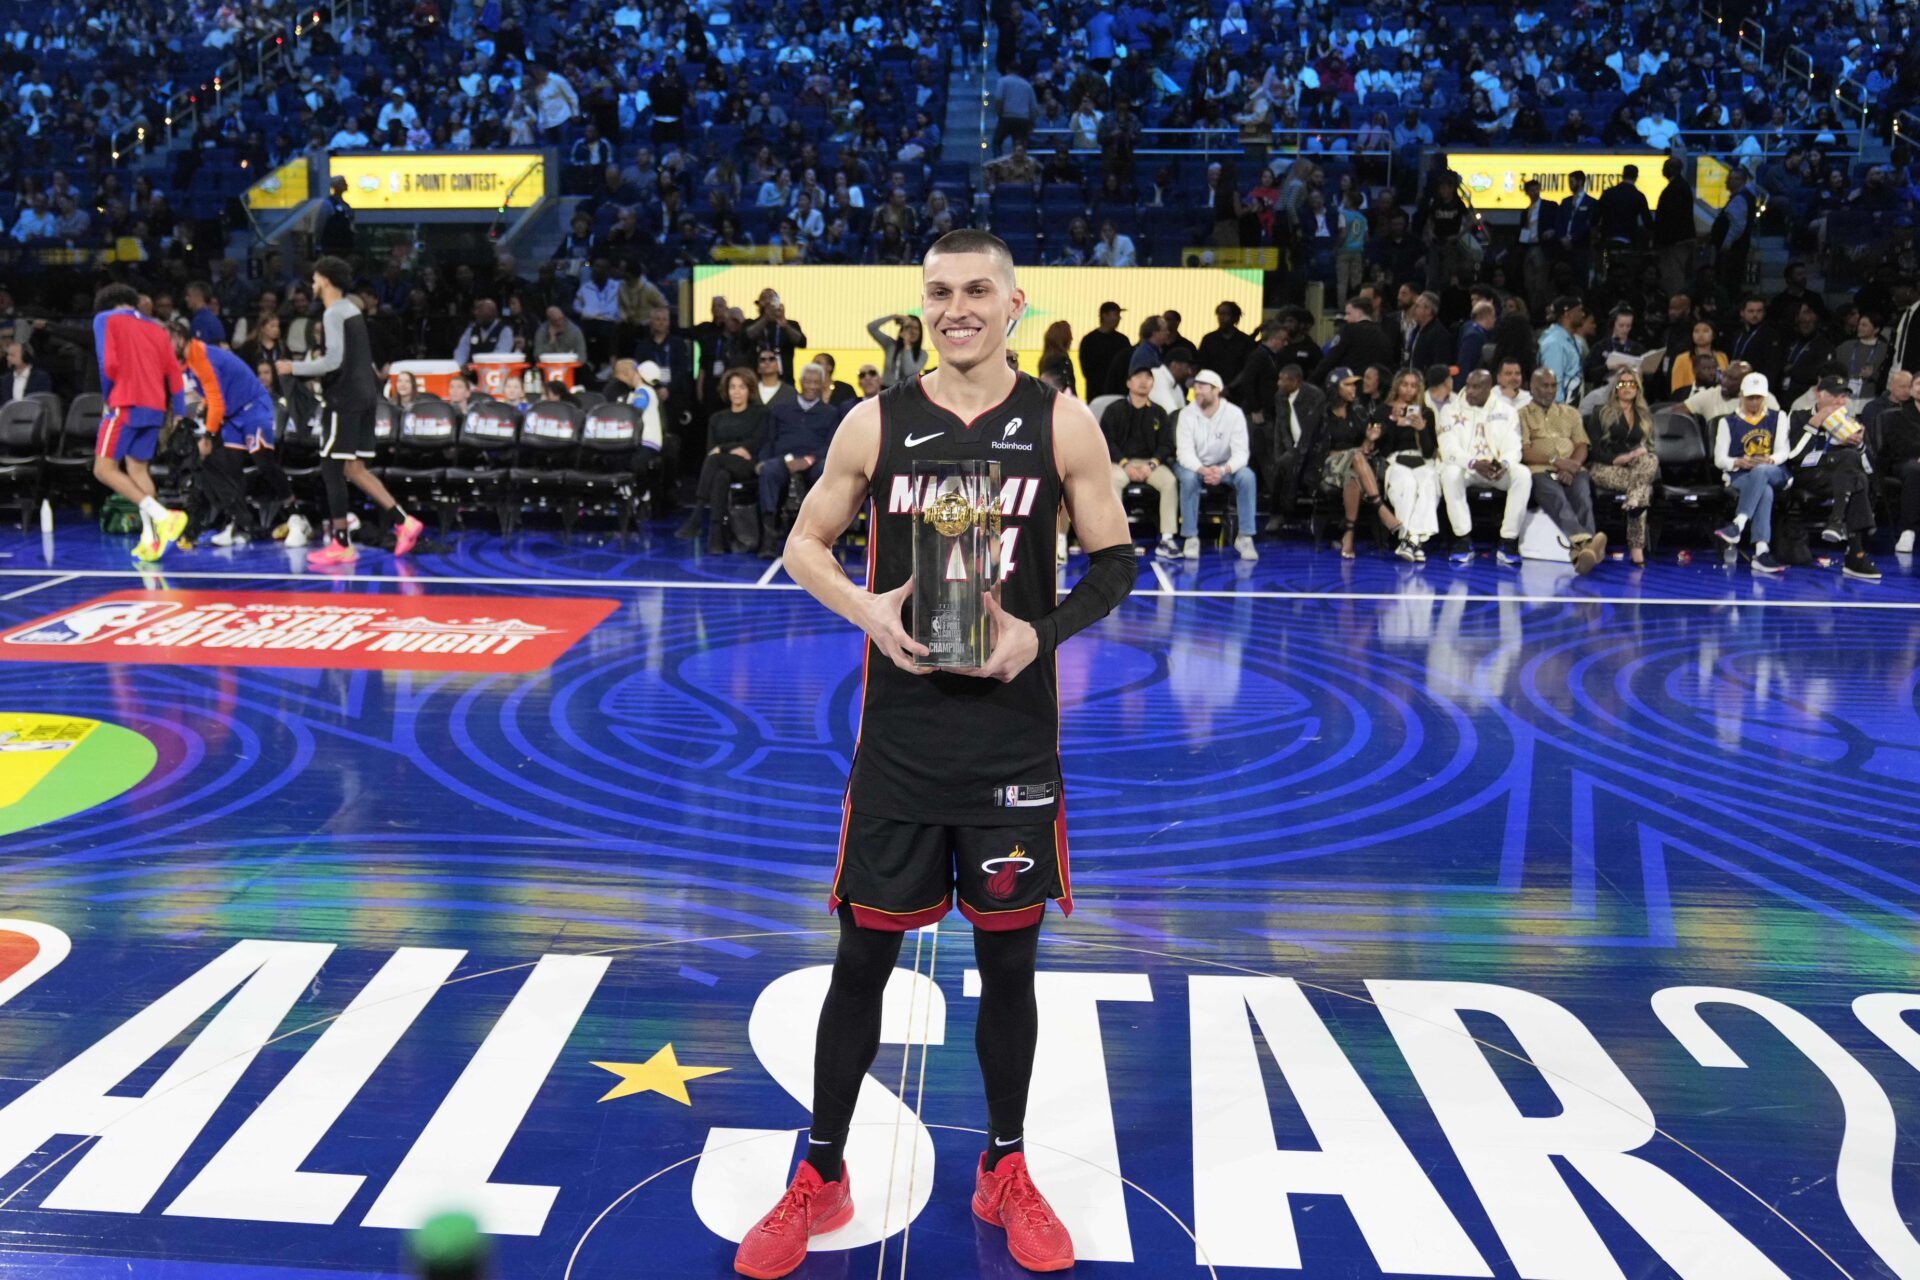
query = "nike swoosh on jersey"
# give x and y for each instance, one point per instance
(914, 440)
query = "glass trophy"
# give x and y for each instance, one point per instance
(956, 560)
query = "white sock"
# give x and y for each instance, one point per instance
(1740, 522)
(150, 508)
(1759, 548)
(146, 526)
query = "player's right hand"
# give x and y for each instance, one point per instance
(882, 624)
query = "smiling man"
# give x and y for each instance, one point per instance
(956, 780)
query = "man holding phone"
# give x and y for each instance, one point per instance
(774, 332)
(1480, 446)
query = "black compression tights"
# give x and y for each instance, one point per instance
(849, 1036)
(333, 474)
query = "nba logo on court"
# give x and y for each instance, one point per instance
(98, 621)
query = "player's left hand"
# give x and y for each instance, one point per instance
(1015, 644)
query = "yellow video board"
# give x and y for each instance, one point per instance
(1493, 180)
(433, 180)
(287, 187)
(834, 304)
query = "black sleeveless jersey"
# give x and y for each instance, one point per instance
(950, 749)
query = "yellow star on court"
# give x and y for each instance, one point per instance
(662, 1073)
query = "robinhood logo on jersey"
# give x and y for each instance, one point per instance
(1006, 440)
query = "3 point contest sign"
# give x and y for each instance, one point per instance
(486, 634)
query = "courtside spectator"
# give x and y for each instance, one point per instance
(1560, 351)
(903, 353)
(769, 387)
(558, 336)
(1621, 459)
(1360, 344)
(1102, 355)
(1227, 348)
(1895, 447)
(1427, 341)
(203, 316)
(1699, 366)
(1212, 450)
(1744, 444)
(1286, 446)
(1140, 445)
(1826, 457)
(774, 332)
(1863, 357)
(1554, 446)
(1480, 447)
(22, 379)
(1476, 336)
(1406, 446)
(840, 395)
(735, 437)
(486, 334)
(1171, 378)
(597, 305)
(1756, 344)
(799, 429)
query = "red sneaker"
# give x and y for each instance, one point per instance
(406, 535)
(1007, 1198)
(778, 1242)
(331, 556)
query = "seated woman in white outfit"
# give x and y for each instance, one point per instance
(1407, 443)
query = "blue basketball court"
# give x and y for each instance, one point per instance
(1428, 921)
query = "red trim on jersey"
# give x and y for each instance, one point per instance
(866, 656)
(846, 821)
(1004, 921)
(919, 382)
(1060, 852)
(900, 922)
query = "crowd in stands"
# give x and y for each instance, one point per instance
(725, 127)
(721, 130)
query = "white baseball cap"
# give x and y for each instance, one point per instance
(1209, 377)
(1754, 384)
(651, 373)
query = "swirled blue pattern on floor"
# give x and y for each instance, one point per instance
(1430, 922)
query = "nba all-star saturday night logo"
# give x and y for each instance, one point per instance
(285, 629)
(1446, 1166)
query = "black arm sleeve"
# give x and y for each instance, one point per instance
(1108, 579)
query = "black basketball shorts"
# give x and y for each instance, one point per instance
(346, 434)
(902, 875)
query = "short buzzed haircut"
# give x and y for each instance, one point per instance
(973, 240)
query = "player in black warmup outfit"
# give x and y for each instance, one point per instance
(956, 775)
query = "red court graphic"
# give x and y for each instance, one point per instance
(492, 634)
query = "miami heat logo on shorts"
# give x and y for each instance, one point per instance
(1003, 873)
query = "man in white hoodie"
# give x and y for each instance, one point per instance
(1213, 450)
(1480, 446)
